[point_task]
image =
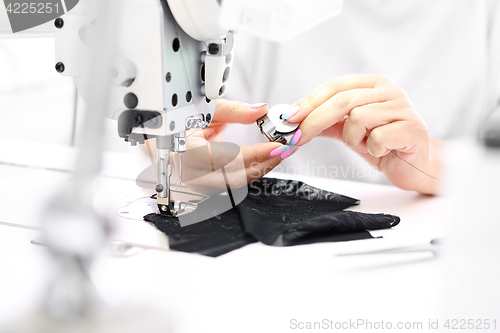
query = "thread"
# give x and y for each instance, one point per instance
(425, 173)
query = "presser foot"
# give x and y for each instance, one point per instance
(179, 207)
(166, 207)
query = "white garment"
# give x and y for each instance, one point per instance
(444, 53)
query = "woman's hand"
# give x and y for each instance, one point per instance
(206, 153)
(373, 116)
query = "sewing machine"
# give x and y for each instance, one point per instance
(173, 61)
(157, 67)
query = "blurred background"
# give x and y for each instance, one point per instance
(37, 103)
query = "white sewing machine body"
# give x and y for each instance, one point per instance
(172, 59)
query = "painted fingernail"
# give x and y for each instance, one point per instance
(290, 112)
(296, 137)
(278, 151)
(293, 152)
(288, 152)
(257, 106)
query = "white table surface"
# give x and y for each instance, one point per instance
(257, 288)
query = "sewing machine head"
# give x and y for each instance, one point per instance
(173, 60)
(163, 81)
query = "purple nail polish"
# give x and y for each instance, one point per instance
(287, 152)
(290, 112)
(278, 151)
(257, 106)
(296, 137)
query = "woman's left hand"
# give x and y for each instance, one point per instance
(206, 153)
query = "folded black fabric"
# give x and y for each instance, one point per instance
(275, 212)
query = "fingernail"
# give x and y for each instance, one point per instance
(278, 151)
(290, 112)
(287, 152)
(257, 106)
(296, 137)
(293, 152)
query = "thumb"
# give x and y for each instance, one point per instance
(238, 113)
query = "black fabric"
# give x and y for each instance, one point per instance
(275, 212)
(212, 237)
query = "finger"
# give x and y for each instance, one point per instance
(215, 129)
(259, 152)
(336, 108)
(291, 150)
(205, 159)
(237, 112)
(255, 154)
(210, 182)
(239, 177)
(260, 169)
(364, 118)
(334, 132)
(361, 147)
(334, 86)
(402, 136)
